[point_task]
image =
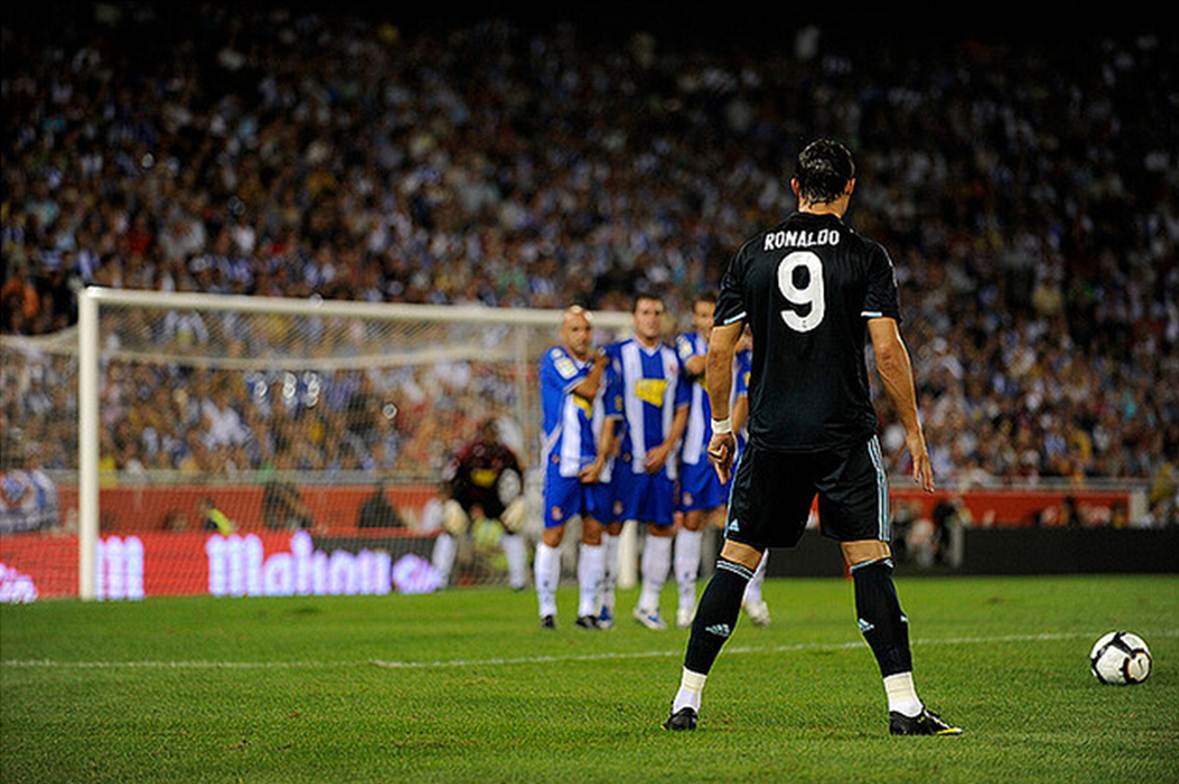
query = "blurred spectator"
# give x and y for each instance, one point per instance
(212, 518)
(28, 497)
(377, 512)
(282, 506)
(1029, 197)
(950, 516)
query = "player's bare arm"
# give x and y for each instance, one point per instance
(722, 345)
(896, 371)
(658, 456)
(589, 386)
(702, 312)
(606, 446)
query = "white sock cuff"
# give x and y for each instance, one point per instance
(900, 682)
(693, 681)
(658, 545)
(902, 696)
(687, 546)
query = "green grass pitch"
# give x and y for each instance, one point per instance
(464, 686)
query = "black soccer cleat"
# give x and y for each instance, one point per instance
(588, 622)
(548, 622)
(925, 723)
(683, 719)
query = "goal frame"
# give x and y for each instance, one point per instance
(91, 300)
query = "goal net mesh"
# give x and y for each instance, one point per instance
(245, 453)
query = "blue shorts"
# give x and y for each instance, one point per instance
(701, 488)
(567, 496)
(648, 498)
(602, 502)
(613, 496)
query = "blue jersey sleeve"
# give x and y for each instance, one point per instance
(685, 347)
(683, 387)
(558, 375)
(743, 369)
(550, 391)
(560, 371)
(613, 382)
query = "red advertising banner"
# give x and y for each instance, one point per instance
(137, 557)
(133, 566)
(151, 508)
(1017, 508)
(144, 509)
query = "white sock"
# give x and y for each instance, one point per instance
(902, 697)
(517, 555)
(443, 558)
(691, 684)
(753, 587)
(655, 563)
(590, 563)
(687, 565)
(548, 574)
(610, 570)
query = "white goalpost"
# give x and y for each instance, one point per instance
(197, 408)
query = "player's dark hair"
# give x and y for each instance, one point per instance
(642, 295)
(708, 295)
(824, 168)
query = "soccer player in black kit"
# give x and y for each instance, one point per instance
(484, 481)
(811, 289)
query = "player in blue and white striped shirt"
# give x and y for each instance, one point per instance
(702, 496)
(571, 384)
(655, 410)
(753, 603)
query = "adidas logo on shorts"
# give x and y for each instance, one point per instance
(720, 629)
(865, 626)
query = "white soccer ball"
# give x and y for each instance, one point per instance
(1120, 659)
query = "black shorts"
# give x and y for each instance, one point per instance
(773, 492)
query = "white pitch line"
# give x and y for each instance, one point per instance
(507, 661)
(736, 649)
(173, 665)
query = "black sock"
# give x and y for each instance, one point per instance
(881, 621)
(716, 617)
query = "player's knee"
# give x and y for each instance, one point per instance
(614, 529)
(591, 531)
(552, 536)
(864, 551)
(738, 552)
(693, 520)
(454, 519)
(662, 531)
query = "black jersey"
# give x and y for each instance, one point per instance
(475, 477)
(806, 288)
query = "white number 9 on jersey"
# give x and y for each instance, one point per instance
(810, 294)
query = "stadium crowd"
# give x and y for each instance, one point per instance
(1026, 191)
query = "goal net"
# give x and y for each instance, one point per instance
(181, 443)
